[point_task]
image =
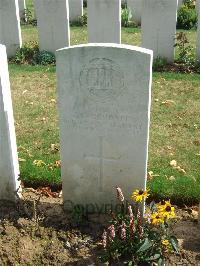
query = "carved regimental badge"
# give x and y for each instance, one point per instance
(103, 79)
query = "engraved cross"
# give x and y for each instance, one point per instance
(101, 159)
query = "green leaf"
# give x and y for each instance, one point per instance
(174, 243)
(130, 263)
(161, 262)
(153, 235)
(154, 257)
(146, 245)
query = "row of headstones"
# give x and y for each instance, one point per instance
(104, 122)
(135, 6)
(75, 9)
(104, 25)
(12, 10)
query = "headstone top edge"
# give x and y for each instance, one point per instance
(2, 47)
(109, 45)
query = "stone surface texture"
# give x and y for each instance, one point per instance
(104, 21)
(53, 24)
(9, 167)
(104, 105)
(22, 7)
(198, 39)
(180, 2)
(75, 9)
(135, 7)
(10, 31)
(159, 27)
(197, 6)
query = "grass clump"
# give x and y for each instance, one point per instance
(30, 54)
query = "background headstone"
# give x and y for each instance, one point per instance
(53, 24)
(75, 9)
(180, 2)
(159, 27)
(104, 21)
(198, 40)
(135, 7)
(9, 167)
(197, 6)
(10, 31)
(22, 7)
(104, 105)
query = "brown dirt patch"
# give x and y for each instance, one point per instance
(36, 231)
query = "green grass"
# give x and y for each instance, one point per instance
(174, 132)
(174, 135)
(78, 35)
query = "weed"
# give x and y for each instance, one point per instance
(159, 64)
(185, 50)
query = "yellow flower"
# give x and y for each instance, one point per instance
(165, 242)
(167, 210)
(157, 218)
(140, 195)
(161, 205)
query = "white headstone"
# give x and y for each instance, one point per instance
(9, 168)
(180, 2)
(104, 104)
(10, 32)
(53, 24)
(159, 27)
(135, 7)
(75, 9)
(22, 7)
(104, 21)
(198, 41)
(197, 6)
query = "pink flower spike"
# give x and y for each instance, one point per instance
(132, 227)
(112, 231)
(123, 231)
(130, 211)
(120, 195)
(104, 239)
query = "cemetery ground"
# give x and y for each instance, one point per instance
(174, 133)
(36, 231)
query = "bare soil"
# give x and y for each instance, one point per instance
(37, 231)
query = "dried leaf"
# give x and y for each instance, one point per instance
(195, 214)
(53, 101)
(196, 142)
(39, 163)
(173, 163)
(181, 170)
(168, 102)
(172, 178)
(57, 163)
(150, 175)
(46, 191)
(21, 160)
(54, 148)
